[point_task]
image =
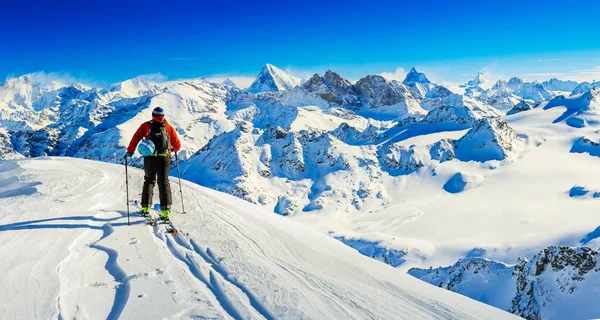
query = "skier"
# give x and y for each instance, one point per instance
(157, 161)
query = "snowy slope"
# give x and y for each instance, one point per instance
(67, 252)
(557, 283)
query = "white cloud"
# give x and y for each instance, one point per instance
(548, 60)
(240, 81)
(399, 74)
(153, 77)
(51, 80)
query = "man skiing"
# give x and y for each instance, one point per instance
(159, 139)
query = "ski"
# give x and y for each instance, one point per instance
(150, 220)
(169, 227)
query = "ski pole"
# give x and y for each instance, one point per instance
(127, 188)
(179, 177)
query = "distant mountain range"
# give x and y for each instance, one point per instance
(411, 173)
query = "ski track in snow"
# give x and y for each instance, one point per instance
(187, 250)
(232, 265)
(123, 289)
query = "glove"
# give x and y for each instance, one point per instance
(127, 155)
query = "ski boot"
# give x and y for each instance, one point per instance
(145, 212)
(164, 216)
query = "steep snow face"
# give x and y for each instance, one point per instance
(272, 78)
(480, 279)
(439, 96)
(535, 91)
(420, 86)
(131, 88)
(581, 110)
(489, 139)
(459, 115)
(500, 96)
(584, 87)
(230, 259)
(559, 85)
(520, 107)
(557, 283)
(515, 84)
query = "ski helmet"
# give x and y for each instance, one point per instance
(146, 148)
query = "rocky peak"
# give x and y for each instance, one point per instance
(520, 107)
(336, 83)
(489, 139)
(414, 76)
(376, 90)
(478, 80)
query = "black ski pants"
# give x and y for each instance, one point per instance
(153, 167)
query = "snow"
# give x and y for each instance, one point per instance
(272, 78)
(230, 259)
(368, 164)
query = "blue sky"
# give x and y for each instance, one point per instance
(110, 41)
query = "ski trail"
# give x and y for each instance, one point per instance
(123, 289)
(212, 283)
(210, 259)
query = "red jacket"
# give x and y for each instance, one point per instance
(143, 131)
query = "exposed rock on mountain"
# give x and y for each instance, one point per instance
(386, 97)
(533, 289)
(489, 139)
(500, 96)
(458, 115)
(520, 107)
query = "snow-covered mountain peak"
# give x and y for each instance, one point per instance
(555, 84)
(131, 88)
(414, 76)
(489, 139)
(272, 78)
(228, 83)
(480, 80)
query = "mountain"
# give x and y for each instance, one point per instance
(533, 288)
(357, 162)
(515, 84)
(582, 109)
(272, 78)
(500, 96)
(520, 107)
(584, 87)
(386, 97)
(228, 83)
(559, 85)
(418, 83)
(414, 76)
(479, 81)
(489, 139)
(535, 91)
(230, 259)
